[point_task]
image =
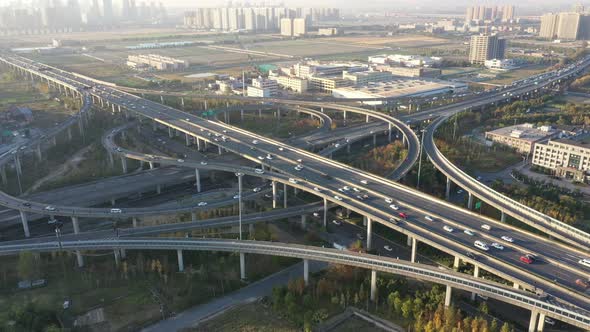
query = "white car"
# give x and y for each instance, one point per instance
(395, 207)
(269, 156)
(336, 222)
(497, 246)
(281, 148)
(481, 245)
(317, 189)
(298, 168)
(50, 208)
(429, 218)
(202, 203)
(338, 197)
(448, 228)
(364, 182)
(486, 227)
(468, 232)
(254, 142)
(507, 238)
(346, 188)
(257, 189)
(261, 157)
(356, 190)
(203, 163)
(180, 160)
(585, 262)
(388, 248)
(292, 180)
(237, 196)
(316, 214)
(116, 211)
(388, 200)
(259, 171)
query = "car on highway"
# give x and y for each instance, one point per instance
(481, 245)
(116, 211)
(257, 189)
(388, 248)
(459, 192)
(237, 196)
(50, 208)
(202, 203)
(259, 171)
(293, 181)
(394, 207)
(507, 238)
(298, 167)
(356, 190)
(360, 236)
(402, 215)
(203, 163)
(429, 218)
(582, 283)
(317, 189)
(471, 255)
(338, 198)
(180, 160)
(393, 220)
(346, 188)
(119, 150)
(281, 148)
(549, 321)
(497, 246)
(261, 157)
(364, 182)
(269, 156)
(255, 142)
(336, 222)
(527, 258)
(27, 204)
(388, 200)
(316, 214)
(468, 232)
(486, 227)
(448, 228)
(585, 262)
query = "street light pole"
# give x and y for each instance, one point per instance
(240, 175)
(420, 159)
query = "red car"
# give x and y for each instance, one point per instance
(403, 215)
(528, 259)
(583, 284)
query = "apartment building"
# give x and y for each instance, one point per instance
(486, 47)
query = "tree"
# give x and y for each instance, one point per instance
(27, 269)
(407, 308)
(506, 328)
(494, 326)
(397, 305)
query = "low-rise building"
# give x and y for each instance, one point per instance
(365, 77)
(566, 157)
(405, 60)
(327, 83)
(522, 137)
(329, 31)
(410, 71)
(262, 87)
(500, 64)
(295, 84)
(156, 62)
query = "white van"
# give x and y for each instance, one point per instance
(116, 211)
(480, 245)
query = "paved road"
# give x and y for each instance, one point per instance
(249, 293)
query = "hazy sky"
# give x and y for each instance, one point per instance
(401, 5)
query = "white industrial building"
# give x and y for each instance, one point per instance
(157, 62)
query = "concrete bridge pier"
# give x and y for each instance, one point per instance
(274, 195)
(373, 285)
(502, 216)
(242, 115)
(198, 143)
(367, 118)
(306, 272)
(69, 132)
(25, 221)
(409, 241)
(170, 132)
(515, 285)
(456, 262)
(260, 113)
(533, 321)
(348, 147)
(541, 324)
(54, 141)
(111, 160)
(151, 163)
(117, 256)
(198, 180)
(325, 212)
(158, 189)
(180, 260)
(303, 221)
(389, 132)
(284, 195)
(448, 189)
(404, 140)
(475, 275)
(76, 227)
(448, 295)
(39, 153)
(182, 101)
(470, 201)
(374, 140)
(242, 266)
(3, 174)
(414, 249)
(369, 232)
(193, 216)
(162, 100)
(219, 150)
(124, 164)
(19, 169)
(154, 126)
(187, 139)
(134, 222)
(344, 116)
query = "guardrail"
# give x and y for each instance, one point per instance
(571, 315)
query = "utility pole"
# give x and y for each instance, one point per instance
(420, 158)
(240, 175)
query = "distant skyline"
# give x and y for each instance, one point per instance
(426, 6)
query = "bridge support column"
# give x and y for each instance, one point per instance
(515, 285)
(541, 324)
(325, 212)
(219, 151)
(533, 321)
(348, 147)
(117, 256)
(470, 201)
(242, 115)
(3, 174)
(124, 164)
(180, 260)
(69, 133)
(134, 222)
(198, 144)
(456, 263)
(448, 295)
(25, 221)
(475, 275)
(162, 100)
(414, 249)
(503, 216)
(259, 113)
(19, 169)
(193, 216)
(158, 189)
(187, 140)
(344, 114)
(242, 266)
(373, 285)
(448, 189)
(39, 154)
(367, 118)
(198, 180)
(404, 141)
(389, 132)
(170, 132)
(306, 271)
(123, 253)
(374, 140)
(284, 195)
(274, 195)
(369, 232)
(409, 241)
(151, 163)
(303, 221)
